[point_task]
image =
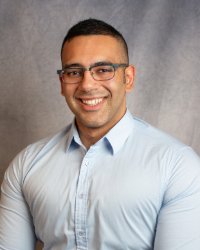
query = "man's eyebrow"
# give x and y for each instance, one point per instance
(101, 63)
(75, 65)
(78, 65)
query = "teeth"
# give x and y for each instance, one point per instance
(92, 102)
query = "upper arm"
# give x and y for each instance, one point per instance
(16, 227)
(178, 225)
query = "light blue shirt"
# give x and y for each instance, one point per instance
(135, 189)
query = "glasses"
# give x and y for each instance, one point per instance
(99, 72)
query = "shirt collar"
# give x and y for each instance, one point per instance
(114, 139)
(118, 135)
(73, 140)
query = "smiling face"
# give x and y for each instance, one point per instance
(97, 105)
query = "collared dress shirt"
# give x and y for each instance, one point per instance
(135, 189)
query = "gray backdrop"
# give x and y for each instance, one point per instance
(164, 45)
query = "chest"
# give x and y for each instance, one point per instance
(103, 183)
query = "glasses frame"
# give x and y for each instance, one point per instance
(115, 66)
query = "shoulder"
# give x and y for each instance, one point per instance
(177, 164)
(153, 134)
(167, 149)
(150, 136)
(26, 159)
(47, 143)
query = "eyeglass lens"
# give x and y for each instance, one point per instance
(99, 73)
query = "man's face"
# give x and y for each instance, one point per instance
(96, 104)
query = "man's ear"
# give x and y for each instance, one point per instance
(129, 77)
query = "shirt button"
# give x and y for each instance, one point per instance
(81, 196)
(81, 234)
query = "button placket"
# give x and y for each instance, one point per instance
(81, 207)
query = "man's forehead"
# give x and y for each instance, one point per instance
(92, 39)
(93, 48)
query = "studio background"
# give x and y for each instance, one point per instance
(164, 45)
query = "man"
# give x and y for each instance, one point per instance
(108, 181)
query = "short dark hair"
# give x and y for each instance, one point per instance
(94, 27)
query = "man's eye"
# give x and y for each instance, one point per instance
(102, 70)
(73, 73)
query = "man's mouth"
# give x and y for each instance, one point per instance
(92, 102)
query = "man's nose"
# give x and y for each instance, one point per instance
(88, 81)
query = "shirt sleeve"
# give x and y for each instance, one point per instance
(16, 227)
(178, 225)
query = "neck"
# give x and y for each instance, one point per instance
(90, 136)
